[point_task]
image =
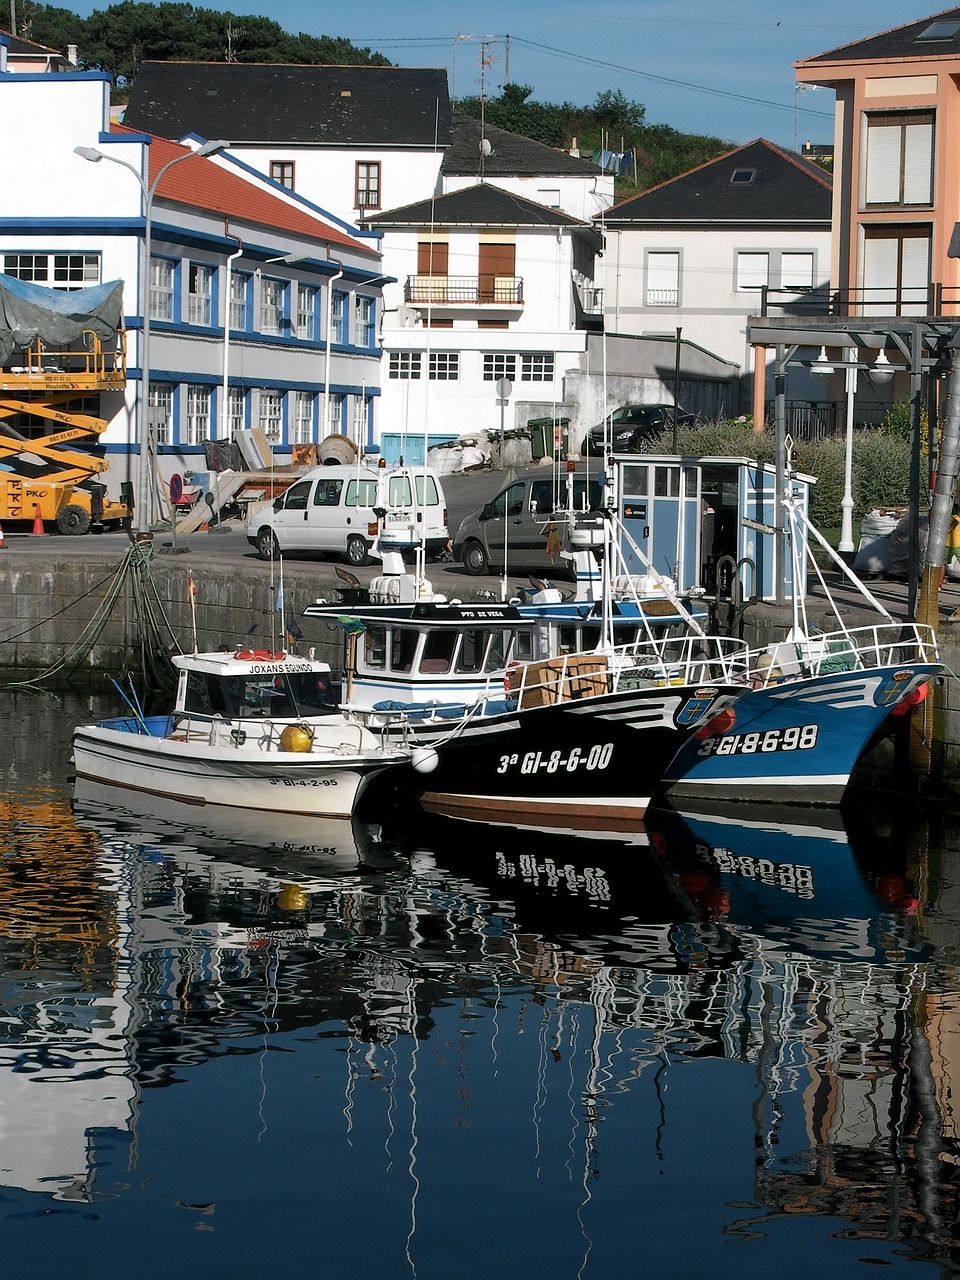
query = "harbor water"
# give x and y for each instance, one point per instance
(725, 1044)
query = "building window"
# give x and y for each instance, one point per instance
(405, 364)
(752, 271)
(163, 276)
(271, 414)
(663, 279)
(339, 318)
(303, 417)
(335, 415)
(282, 171)
(368, 184)
(161, 412)
(236, 411)
(497, 365)
(200, 294)
(366, 329)
(444, 366)
(898, 166)
(796, 271)
(271, 305)
(360, 409)
(198, 414)
(896, 271)
(61, 270)
(536, 366)
(239, 293)
(306, 312)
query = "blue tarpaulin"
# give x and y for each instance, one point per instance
(59, 317)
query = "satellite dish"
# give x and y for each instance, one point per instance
(486, 148)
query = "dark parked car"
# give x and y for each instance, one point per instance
(632, 425)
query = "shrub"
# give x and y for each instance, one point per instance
(880, 472)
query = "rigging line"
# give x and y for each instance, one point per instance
(668, 80)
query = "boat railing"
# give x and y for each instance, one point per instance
(690, 660)
(856, 649)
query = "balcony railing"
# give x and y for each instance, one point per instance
(460, 291)
(893, 300)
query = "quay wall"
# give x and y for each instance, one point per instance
(67, 621)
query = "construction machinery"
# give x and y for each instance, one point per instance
(58, 350)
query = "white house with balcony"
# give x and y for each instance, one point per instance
(489, 287)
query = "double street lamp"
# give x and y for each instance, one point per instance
(881, 371)
(142, 516)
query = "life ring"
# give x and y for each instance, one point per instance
(259, 655)
(508, 672)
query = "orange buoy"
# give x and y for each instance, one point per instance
(720, 723)
(912, 699)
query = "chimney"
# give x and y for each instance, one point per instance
(72, 54)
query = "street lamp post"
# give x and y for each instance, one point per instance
(880, 372)
(329, 336)
(142, 516)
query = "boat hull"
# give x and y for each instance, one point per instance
(320, 784)
(589, 765)
(795, 742)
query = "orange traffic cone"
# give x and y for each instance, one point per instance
(1, 537)
(37, 521)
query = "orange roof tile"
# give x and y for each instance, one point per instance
(202, 184)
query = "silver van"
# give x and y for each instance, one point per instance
(513, 529)
(336, 509)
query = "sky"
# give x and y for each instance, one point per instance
(718, 67)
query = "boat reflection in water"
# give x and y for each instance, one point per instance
(559, 1024)
(809, 880)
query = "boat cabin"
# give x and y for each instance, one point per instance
(264, 684)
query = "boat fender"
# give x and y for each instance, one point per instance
(259, 655)
(722, 722)
(912, 699)
(425, 759)
(292, 898)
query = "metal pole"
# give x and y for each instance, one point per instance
(913, 517)
(326, 365)
(780, 466)
(846, 502)
(676, 389)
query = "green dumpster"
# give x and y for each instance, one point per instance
(548, 436)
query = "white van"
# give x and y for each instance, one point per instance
(336, 508)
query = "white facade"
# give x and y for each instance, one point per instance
(582, 197)
(280, 373)
(328, 176)
(705, 281)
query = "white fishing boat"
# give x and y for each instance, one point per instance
(255, 730)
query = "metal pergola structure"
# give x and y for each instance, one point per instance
(923, 348)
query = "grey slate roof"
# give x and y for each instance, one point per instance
(319, 106)
(510, 154)
(900, 42)
(481, 205)
(783, 188)
(18, 45)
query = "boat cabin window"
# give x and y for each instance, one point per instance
(666, 482)
(375, 647)
(327, 493)
(403, 645)
(361, 493)
(286, 695)
(473, 645)
(505, 646)
(437, 654)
